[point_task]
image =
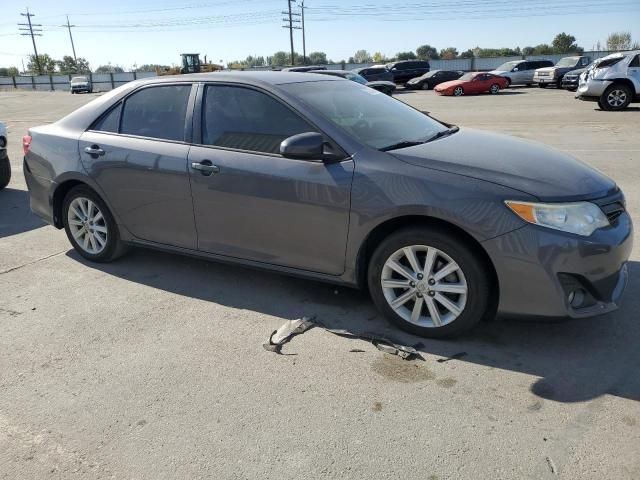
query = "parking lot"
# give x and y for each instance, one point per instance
(153, 366)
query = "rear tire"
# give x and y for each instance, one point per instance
(5, 171)
(617, 97)
(430, 306)
(425, 86)
(90, 226)
(494, 89)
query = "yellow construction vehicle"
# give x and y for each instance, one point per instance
(191, 64)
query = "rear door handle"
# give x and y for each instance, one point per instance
(205, 167)
(94, 151)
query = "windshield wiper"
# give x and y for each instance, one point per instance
(443, 133)
(403, 144)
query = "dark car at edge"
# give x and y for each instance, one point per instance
(432, 79)
(405, 70)
(324, 178)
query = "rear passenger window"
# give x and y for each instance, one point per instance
(245, 119)
(109, 122)
(156, 112)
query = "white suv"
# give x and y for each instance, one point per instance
(612, 81)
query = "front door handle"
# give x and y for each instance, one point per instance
(205, 167)
(94, 150)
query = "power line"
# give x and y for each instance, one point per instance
(33, 34)
(73, 48)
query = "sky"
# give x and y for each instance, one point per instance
(129, 33)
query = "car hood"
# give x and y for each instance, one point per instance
(530, 167)
(577, 71)
(498, 72)
(449, 84)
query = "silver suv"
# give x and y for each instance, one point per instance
(612, 81)
(520, 72)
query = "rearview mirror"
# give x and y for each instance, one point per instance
(304, 146)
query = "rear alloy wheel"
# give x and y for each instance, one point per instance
(616, 97)
(429, 283)
(90, 226)
(458, 92)
(495, 89)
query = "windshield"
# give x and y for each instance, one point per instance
(371, 117)
(468, 76)
(507, 67)
(79, 79)
(567, 62)
(356, 78)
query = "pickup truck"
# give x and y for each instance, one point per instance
(5, 166)
(544, 77)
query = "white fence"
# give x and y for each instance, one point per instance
(102, 82)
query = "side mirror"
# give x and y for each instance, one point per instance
(515, 69)
(304, 146)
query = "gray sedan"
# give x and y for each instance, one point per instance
(321, 177)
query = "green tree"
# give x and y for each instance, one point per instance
(448, 53)
(467, 54)
(427, 52)
(109, 69)
(8, 71)
(528, 50)
(543, 49)
(361, 56)
(406, 56)
(69, 66)
(565, 43)
(47, 64)
(280, 59)
(152, 67)
(317, 58)
(379, 57)
(619, 41)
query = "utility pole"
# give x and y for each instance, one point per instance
(291, 26)
(304, 44)
(33, 34)
(73, 48)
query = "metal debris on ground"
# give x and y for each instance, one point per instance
(291, 328)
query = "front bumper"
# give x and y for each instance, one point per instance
(545, 80)
(571, 82)
(538, 267)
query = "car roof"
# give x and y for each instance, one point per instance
(264, 78)
(338, 72)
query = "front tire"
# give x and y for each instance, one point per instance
(90, 226)
(616, 97)
(458, 92)
(430, 283)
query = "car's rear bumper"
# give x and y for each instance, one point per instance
(592, 89)
(40, 198)
(538, 268)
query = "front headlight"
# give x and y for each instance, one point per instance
(581, 218)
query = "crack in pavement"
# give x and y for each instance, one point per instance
(18, 267)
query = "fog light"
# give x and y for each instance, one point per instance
(576, 298)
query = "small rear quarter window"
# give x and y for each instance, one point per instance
(110, 121)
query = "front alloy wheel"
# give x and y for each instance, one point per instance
(424, 286)
(458, 91)
(430, 282)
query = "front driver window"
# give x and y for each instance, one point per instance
(245, 119)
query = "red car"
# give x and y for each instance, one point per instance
(473, 82)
